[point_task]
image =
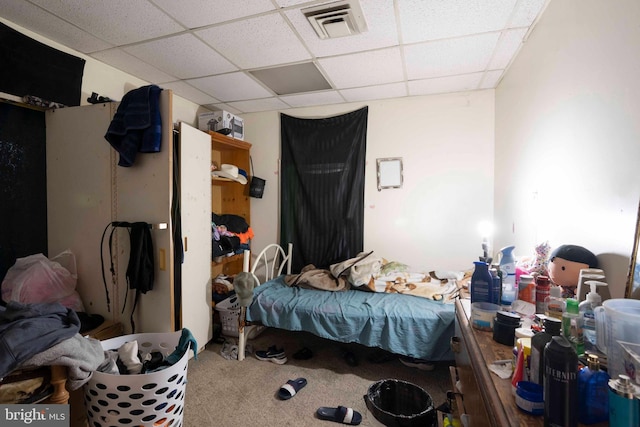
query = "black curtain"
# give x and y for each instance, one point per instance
(23, 184)
(28, 67)
(322, 187)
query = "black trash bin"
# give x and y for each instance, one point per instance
(397, 403)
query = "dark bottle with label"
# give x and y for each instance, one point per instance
(560, 383)
(481, 283)
(496, 289)
(552, 327)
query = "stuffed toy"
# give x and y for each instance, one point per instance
(536, 265)
(565, 263)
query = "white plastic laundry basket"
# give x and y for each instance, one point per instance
(152, 399)
(229, 311)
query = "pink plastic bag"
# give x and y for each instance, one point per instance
(37, 279)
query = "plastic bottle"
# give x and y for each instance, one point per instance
(572, 325)
(552, 327)
(560, 387)
(593, 392)
(508, 267)
(543, 288)
(520, 369)
(555, 304)
(527, 289)
(481, 283)
(586, 310)
(496, 286)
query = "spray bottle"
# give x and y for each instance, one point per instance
(508, 268)
(586, 312)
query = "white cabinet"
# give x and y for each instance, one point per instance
(86, 190)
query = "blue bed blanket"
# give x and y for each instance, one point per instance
(403, 324)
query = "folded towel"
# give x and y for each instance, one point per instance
(137, 124)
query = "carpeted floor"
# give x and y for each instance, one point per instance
(227, 393)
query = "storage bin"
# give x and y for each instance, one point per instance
(397, 403)
(229, 311)
(151, 399)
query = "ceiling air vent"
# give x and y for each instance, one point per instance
(339, 19)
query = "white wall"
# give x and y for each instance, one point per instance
(446, 143)
(568, 134)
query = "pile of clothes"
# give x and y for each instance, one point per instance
(230, 235)
(127, 359)
(44, 334)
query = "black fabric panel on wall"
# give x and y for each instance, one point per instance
(23, 184)
(33, 68)
(322, 187)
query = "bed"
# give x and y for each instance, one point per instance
(406, 325)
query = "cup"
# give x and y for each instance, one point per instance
(617, 321)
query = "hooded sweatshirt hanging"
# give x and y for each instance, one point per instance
(137, 125)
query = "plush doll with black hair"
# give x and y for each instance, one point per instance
(565, 263)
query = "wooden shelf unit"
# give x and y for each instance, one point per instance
(228, 196)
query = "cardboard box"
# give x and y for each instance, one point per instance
(224, 121)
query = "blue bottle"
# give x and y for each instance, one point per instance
(496, 286)
(593, 392)
(481, 283)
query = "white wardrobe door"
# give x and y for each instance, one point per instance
(195, 200)
(79, 196)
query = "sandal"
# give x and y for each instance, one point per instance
(303, 354)
(341, 414)
(288, 390)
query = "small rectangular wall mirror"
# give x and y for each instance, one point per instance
(389, 171)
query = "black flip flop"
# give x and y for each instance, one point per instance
(303, 354)
(341, 414)
(350, 358)
(288, 390)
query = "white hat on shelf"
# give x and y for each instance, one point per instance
(231, 172)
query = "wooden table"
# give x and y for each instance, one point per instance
(487, 398)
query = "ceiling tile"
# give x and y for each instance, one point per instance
(449, 57)
(115, 21)
(422, 20)
(315, 98)
(256, 105)
(526, 12)
(508, 44)
(222, 106)
(445, 84)
(206, 50)
(364, 69)
(393, 90)
(183, 56)
(199, 13)
(231, 87)
(28, 15)
(382, 32)
(189, 92)
(121, 60)
(257, 42)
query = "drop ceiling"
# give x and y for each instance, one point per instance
(209, 51)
